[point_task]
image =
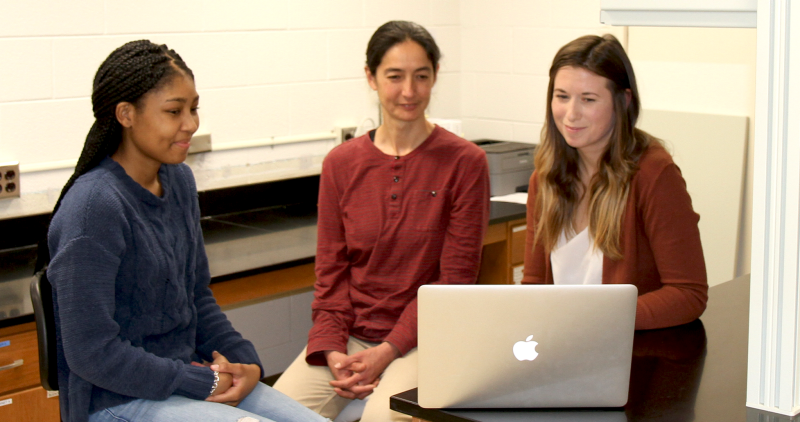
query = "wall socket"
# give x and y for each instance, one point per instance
(347, 133)
(9, 180)
(200, 143)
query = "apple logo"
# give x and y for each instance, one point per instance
(525, 350)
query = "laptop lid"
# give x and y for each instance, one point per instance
(509, 346)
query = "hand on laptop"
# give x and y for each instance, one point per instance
(357, 375)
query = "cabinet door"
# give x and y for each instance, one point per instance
(517, 236)
(19, 358)
(29, 405)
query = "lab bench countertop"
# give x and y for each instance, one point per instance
(237, 243)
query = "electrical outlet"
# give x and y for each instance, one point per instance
(347, 133)
(9, 180)
(200, 143)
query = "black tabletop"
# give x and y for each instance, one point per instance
(694, 372)
(505, 211)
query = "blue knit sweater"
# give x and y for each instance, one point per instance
(130, 285)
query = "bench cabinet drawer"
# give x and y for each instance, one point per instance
(32, 404)
(19, 361)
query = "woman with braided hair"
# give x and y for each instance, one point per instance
(134, 315)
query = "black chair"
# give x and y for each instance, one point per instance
(42, 298)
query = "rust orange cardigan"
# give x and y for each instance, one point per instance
(660, 243)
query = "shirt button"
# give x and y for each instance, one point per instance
(396, 157)
(433, 193)
(394, 196)
(396, 179)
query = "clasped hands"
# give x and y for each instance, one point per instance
(236, 380)
(357, 375)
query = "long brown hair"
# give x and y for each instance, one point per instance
(558, 180)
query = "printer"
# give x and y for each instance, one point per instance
(510, 165)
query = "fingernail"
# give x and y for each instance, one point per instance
(214, 367)
(337, 366)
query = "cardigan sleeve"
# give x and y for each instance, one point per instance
(332, 311)
(670, 225)
(463, 242)
(535, 265)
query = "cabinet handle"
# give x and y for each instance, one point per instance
(17, 363)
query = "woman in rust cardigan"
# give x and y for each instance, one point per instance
(607, 204)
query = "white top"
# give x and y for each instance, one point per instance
(576, 261)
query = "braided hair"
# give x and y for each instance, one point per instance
(128, 73)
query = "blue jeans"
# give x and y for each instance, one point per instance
(264, 404)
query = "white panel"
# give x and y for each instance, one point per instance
(699, 143)
(148, 16)
(27, 69)
(700, 13)
(687, 19)
(51, 17)
(239, 15)
(681, 5)
(774, 352)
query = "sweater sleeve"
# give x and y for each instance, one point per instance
(332, 311)
(214, 331)
(83, 274)
(670, 225)
(535, 265)
(463, 243)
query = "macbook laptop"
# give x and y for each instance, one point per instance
(510, 346)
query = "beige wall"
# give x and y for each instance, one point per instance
(702, 70)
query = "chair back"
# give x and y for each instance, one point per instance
(42, 298)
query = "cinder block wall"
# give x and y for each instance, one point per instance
(507, 48)
(264, 68)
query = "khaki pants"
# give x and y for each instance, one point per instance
(309, 385)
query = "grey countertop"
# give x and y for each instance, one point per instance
(235, 243)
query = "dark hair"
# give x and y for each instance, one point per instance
(126, 75)
(396, 32)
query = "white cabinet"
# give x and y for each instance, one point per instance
(700, 13)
